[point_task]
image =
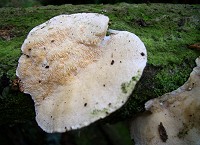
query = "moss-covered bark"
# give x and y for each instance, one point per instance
(165, 29)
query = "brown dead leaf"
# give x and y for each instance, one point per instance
(195, 46)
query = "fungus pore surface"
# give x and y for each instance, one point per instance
(75, 73)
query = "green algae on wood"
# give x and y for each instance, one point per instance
(127, 87)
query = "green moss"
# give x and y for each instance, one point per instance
(165, 37)
(173, 76)
(165, 29)
(9, 55)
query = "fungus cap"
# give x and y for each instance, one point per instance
(75, 73)
(173, 118)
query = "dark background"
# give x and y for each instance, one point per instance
(58, 2)
(35, 3)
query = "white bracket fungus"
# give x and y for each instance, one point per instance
(172, 119)
(75, 73)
